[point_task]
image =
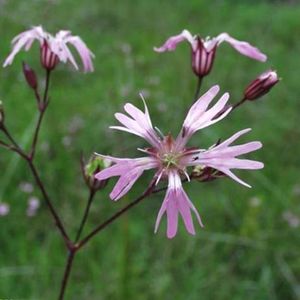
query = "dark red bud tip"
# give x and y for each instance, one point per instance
(30, 76)
(261, 85)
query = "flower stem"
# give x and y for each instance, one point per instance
(9, 136)
(85, 215)
(236, 105)
(198, 87)
(54, 214)
(42, 109)
(66, 275)
(114, 217)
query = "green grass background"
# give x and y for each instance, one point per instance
(247, 250)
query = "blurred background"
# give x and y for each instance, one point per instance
(249, 248)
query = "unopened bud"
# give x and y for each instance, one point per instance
(49, 59)
(261, 85)
(30, 76)
(94, 166)
(2, 116)
(202, 58)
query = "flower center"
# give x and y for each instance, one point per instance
(170, 160)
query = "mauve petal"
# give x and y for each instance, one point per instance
(25, 40)
(138, 115)
(121, 128)
(59, 47)
(159, 215)
(185, 212)
(199, 117)
(223, 157)
(140, 124)
(171, 43)
(234, 177)
(230, 163)
(233, 138)
(241, 149)
(128, 122)
(176, 201)
(193, 208)
(207, 118)
(125, 183)
(201, 105)
(172, 217)
(243, 47)
(84, 52)
(115, 170)
(129, 171)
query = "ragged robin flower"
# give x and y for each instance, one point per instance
(53, 49)
(204, 50)
(171, 158)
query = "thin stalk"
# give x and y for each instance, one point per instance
(9, 136)
(41, 186)
(85, 215)
(66, 275)
(114, 217)
(42, 108)
(198, 87)
(74, 248)
(236, 105)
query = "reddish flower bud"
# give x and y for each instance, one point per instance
(261, 85)
(202, 58)
(49, 59)
(30, 76)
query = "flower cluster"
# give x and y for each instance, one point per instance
(170, 157)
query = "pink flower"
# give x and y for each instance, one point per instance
(261, 85)
(203, 50)
(171, 158)
(33, 206)
(53, 48)
(4, 209)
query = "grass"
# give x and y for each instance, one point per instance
(247, 249)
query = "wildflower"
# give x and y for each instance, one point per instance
(4, 209)
(204, 50)
(33, 206)
(171, 157)
(261, 85)
(53, 48)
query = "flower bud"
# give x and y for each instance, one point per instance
(202, 58)
(30, 76)
(94, 166)
(49, 59)
(261, 85)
